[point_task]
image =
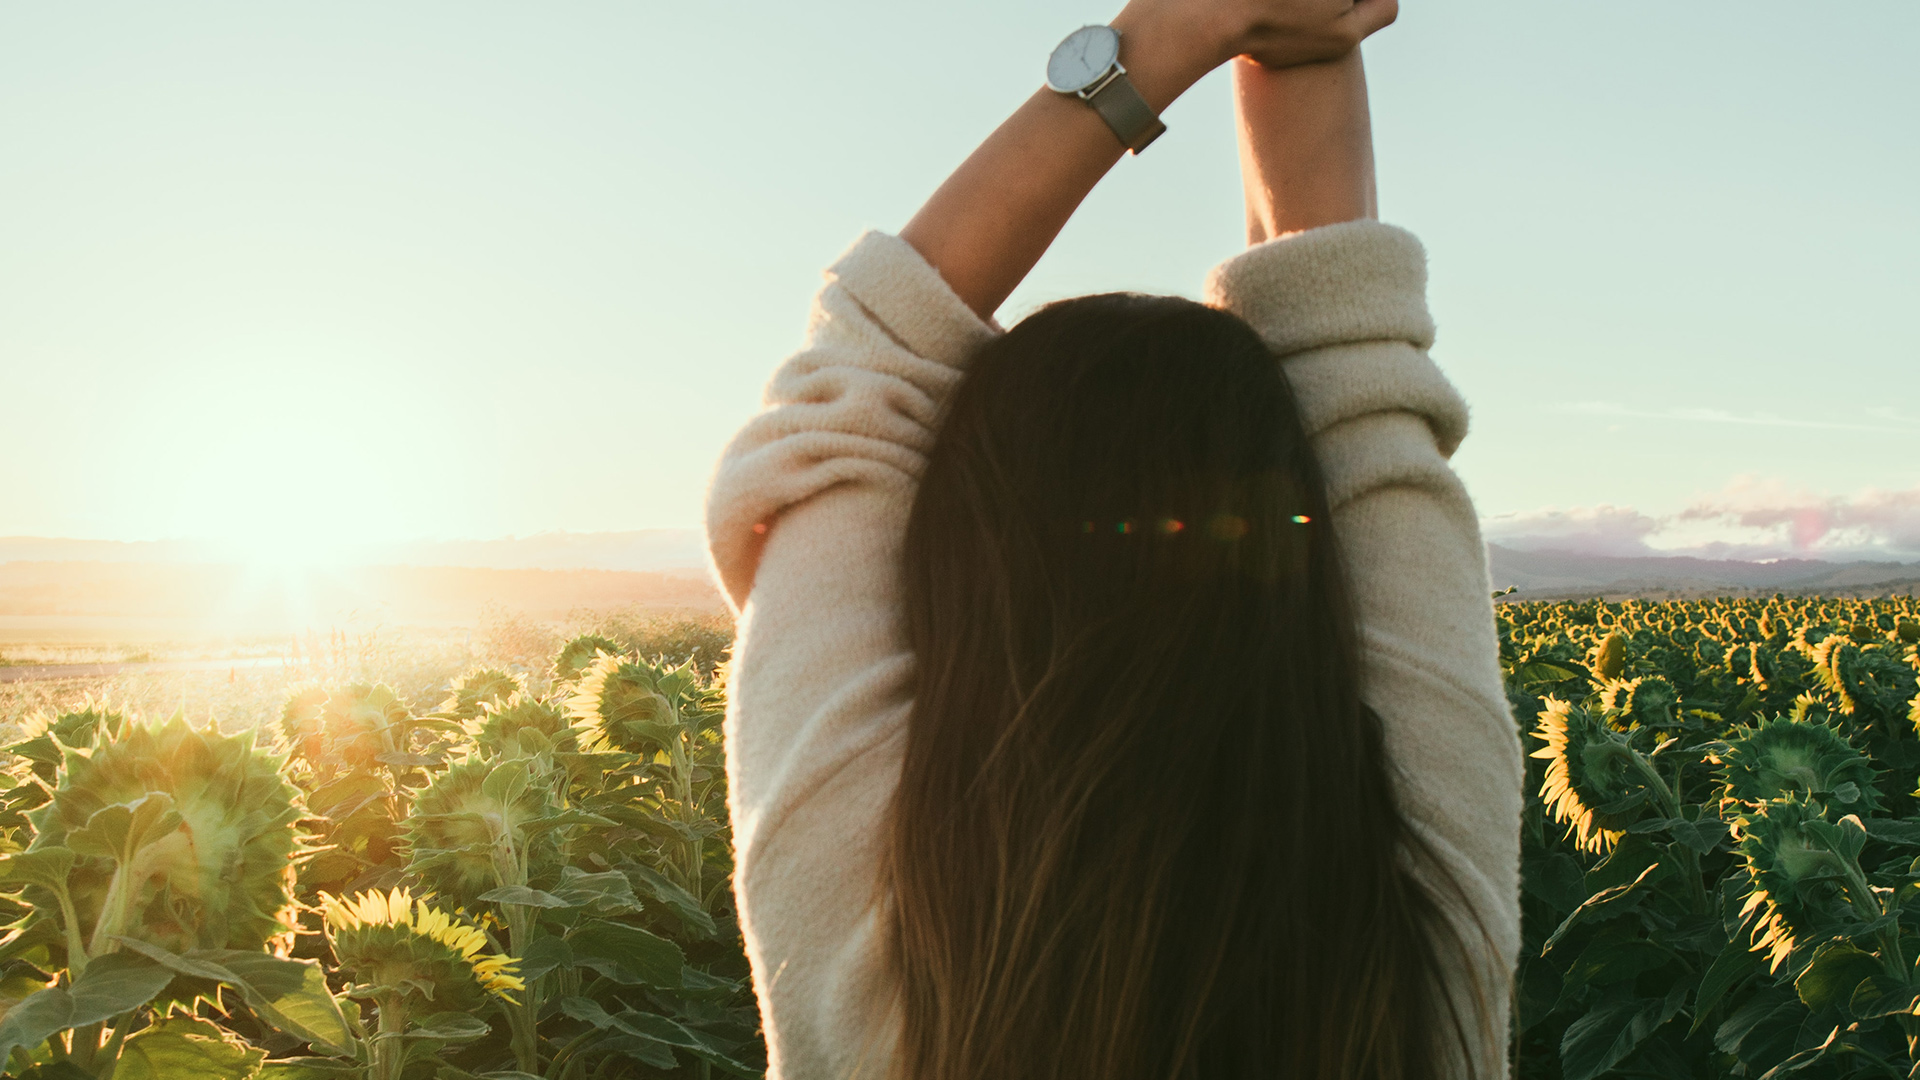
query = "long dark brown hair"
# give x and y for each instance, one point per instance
(1145, 829)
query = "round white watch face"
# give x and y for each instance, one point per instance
(1085, 56)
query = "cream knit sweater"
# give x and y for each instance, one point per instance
(805, 522)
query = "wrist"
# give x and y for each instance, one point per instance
(1166, 51)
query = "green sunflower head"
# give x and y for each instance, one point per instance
(93, 720)
(353, 726)
(1594, 784)
(392, 943)
(580, 653)
(639, 707)
(469, 829)
(46, 738)
(1831, 658)
(300, 722)
(478, 688)
(1648, 700)
(1797, 863)
(1782, 757)
(499, 728)
(181, 836)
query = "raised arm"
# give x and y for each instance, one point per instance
(1306, 145)
(1342, 299)
(987, 226)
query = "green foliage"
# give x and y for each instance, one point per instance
(1720, 838)
(574, 917)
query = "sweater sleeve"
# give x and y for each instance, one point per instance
(806, 517)
(1345, 308)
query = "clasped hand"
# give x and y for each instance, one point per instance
(1276, 33)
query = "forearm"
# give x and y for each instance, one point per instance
(987, 226)
(1306, 145)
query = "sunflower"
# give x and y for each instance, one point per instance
(355, 725)
(478, 688)
(499, 726)
(638, 707)
(395, 943)
(468, 829)
(1609, 658)
(45, 739)
(1596, 783)
(616, 707)
(1799, 864)
(1780, 757)
(577, 655)
(211, 862)
(77, 727)
(1832, 659)
(300, 721)
(1648, 699)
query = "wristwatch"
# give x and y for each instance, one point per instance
(1087, 65)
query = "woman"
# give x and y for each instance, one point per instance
(1112, 701)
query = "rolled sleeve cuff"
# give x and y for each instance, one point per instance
(1351, 282)
(909, 299)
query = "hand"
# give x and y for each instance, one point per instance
(1287, 33)
(1274, 33)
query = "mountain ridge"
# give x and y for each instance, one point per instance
(1554, 574)
(681, 553)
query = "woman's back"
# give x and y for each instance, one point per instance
(809, 524)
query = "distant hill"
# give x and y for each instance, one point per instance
(661, 550)
(193, 587)
(56, 549)
(196, 597)
(549, 574)
(1548, 575)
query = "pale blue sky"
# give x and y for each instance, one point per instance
(378, 271)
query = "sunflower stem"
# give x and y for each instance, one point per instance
(111, 1054)
(76, 945)
(1860, 895)
(523, 1017)
(1690, 868)
(695, 853)
(113, 911)
(389, 1048)
(1664, 794)
(86, 1043)
(562, 1060)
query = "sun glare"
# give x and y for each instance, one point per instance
(278, 553)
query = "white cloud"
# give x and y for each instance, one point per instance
(1592, 530)
(1885, 419)
(1751, 518)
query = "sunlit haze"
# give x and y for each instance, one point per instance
(300, 277)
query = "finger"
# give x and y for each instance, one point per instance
(1369, 16)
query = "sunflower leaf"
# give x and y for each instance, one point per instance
(291, 995)
(113, 984)
(185, 1048)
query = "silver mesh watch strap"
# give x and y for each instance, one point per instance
(1126, 112)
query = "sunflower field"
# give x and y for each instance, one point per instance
(1722, 839)
(528, 879)
(528, 876)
